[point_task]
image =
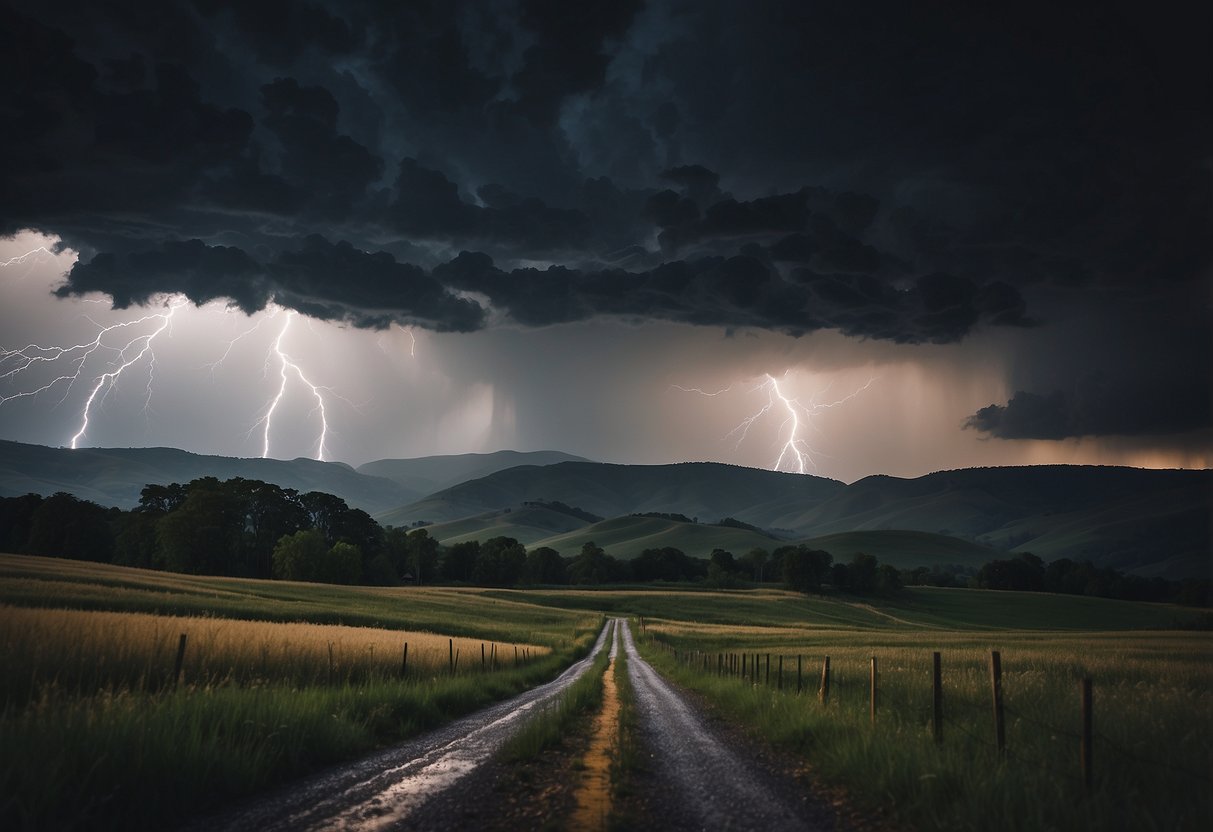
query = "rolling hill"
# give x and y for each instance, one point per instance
(527, 525)
(427, 474)
(115, 476)
(627, 537)
(1143, 521)
(707, 490)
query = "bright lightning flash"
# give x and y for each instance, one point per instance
(796, 453)
(14, 362)
(286, 368)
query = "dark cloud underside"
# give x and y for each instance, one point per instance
(885, 170)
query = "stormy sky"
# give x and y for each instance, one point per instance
(922, 236)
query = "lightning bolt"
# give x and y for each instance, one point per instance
(38, 369)
(796, 453)
(33, 254)
(15, 362)
(106, 381)
(286, 367)
(217, 363)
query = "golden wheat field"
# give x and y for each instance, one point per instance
(92, 650)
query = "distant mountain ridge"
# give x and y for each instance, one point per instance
(708, 490)
(1143, 521)
(115, 476)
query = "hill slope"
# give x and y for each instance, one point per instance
(1143, 521)
(427, 474)
(708, 490)
(527, 525)
(627, 537)
(115, 476)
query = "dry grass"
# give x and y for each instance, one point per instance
(87, 651)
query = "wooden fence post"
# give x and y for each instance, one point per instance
(455, 666)
(482, 655)
(823, 692)
(180, 663)
(780, 686)
(768, 681)
(743, 662)
(936, 698)
(873, 685)
(450, 660)
(798, 683)
(330, 662)
(1000, 728)
(1087, 736)
(404, 662)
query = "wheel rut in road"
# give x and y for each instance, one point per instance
(708, 784)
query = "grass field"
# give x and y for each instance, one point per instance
(1153, 712)
(88, 707)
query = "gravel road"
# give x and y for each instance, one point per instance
(381, 791)
(707, 784)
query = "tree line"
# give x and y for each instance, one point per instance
(249, 528)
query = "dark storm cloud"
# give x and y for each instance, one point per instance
(886, 170)
(375, 289)
(1096, 411)
(1153, 377)
(200, 272)
(742, 290)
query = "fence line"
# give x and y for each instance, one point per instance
(744, 667)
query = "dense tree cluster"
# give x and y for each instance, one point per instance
(249, 528)
(239, 527)
(1027, 572)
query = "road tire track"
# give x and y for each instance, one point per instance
(707, 783)
(381, 791)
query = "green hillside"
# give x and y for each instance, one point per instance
(705, 490)
(527, 525)
(627, 537)
(115, 476)
(427, 474)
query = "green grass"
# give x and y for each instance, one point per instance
(628, 763)
(626, 537)
(917, 607)
(1153, 705)
(57, 583)
(135, 753)
(147, 756)
(557, 720)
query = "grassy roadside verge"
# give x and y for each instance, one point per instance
(134, 756)
(557, 720)
(1153, 739)
(627, 763)
(89, 708)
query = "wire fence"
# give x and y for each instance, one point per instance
(822, 682)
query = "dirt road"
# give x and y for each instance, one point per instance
(707, 783)
(381, 791)
(698, 777)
